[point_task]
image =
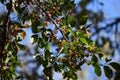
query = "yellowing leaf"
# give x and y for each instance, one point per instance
(16, 27)
(92, 48)
(60, 60)
(23, 34)
(14, 33)
(25, 26)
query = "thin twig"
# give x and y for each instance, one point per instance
(107, 26)
(56, 57)
(52, 21)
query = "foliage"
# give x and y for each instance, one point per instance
(75, 44)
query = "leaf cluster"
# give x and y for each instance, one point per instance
(47, 20)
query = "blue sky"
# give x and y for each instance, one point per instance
(111, 9)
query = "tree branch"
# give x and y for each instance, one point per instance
(5, 27)
(107, 26)
(56, 57)
(52, 20)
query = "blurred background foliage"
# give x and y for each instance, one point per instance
(58, 36)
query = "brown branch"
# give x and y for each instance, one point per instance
(56, 57)
(51, 19)
(5, 27)
(107, 26)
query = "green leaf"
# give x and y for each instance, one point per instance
(100, 55)
(63, 23)
(58, 67)
(18, 77)
(44, 62)
(36, 55)
(90, 42)
(83, 20)
(35, 24)
(41, 23)
(78, 33)
(48, 72)
(75, 43)
(94, 59)
(115, 65)
(81, 34)
(15, 11)
(64, 43)
(72, 21)
(97, 70)
(88, 62)
(107, 60)
(83, 40)
(70, 74)
(19, 39)
(68, 4)
(88, 26)
(41, 43)
(34, 38)
(47, 47)
(108, 72)
(81, 53)
(64, 50)
(21, 46)
(71, 31)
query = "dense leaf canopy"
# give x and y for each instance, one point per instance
(60, 40)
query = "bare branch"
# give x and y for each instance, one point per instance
(106, 27)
